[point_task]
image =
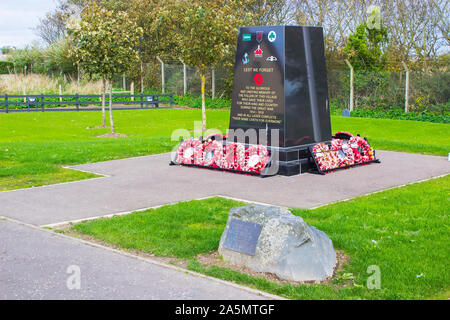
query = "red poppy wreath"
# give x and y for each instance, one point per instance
(257, 158)
(186, 151)
(212, 154)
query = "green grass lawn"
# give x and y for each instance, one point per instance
(404, 231)
(34, 146)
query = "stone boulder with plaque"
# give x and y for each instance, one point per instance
(271, 239)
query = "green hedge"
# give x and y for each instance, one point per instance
(398, 114)
(4, 65)
(196, 101)
(441, 114)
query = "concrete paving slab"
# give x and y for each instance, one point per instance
(34, 264)
(143, 182)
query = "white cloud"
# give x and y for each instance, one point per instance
(19, 17)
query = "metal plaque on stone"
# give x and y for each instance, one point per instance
(242, 236)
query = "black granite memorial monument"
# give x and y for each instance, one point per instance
(280, 82)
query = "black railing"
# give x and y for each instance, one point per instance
(82, 102)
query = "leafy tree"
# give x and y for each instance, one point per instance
(53, 27)
(155, 40)
(104, 44)
(268, 12)
(205, 33)
(57, 58)
(29, 59)
(365, 47)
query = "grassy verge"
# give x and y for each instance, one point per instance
(403, 231)
(399, 135)
(38, 144)
(39, 176)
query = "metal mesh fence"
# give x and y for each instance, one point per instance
(372, 90)
(386, 90)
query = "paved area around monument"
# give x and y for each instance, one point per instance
(34, 265)
(34, 261)
(142, 182)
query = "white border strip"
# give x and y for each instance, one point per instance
(246, 201)
(149, 260)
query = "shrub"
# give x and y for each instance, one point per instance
(4, 66)
(398, 114)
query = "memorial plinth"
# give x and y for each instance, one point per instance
(280, 82)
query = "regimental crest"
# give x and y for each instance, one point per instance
(258, 52)
(272, 36)
(259, 36)
(245, 59)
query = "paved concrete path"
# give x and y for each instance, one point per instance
(143, 182)
(34, 262)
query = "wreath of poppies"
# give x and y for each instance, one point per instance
(363, 152)
(326, 159)
(186, 151)
(344, 150)
(232, 156)
(212, 154)
(257, 158)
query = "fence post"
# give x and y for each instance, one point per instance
(406, 87)
(77, 102)
(351, 83)
(171, 100)
(213, 83)
(78, 73)
(42, 102)
(184, 78)
(6, 102)
(142, 77)
(163, 80)
(142, 100)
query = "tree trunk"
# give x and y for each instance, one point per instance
(103, 102)
(111, 120)
(203, 105)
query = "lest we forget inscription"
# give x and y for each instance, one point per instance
(242, 236)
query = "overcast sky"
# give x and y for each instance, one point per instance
(18, 17)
